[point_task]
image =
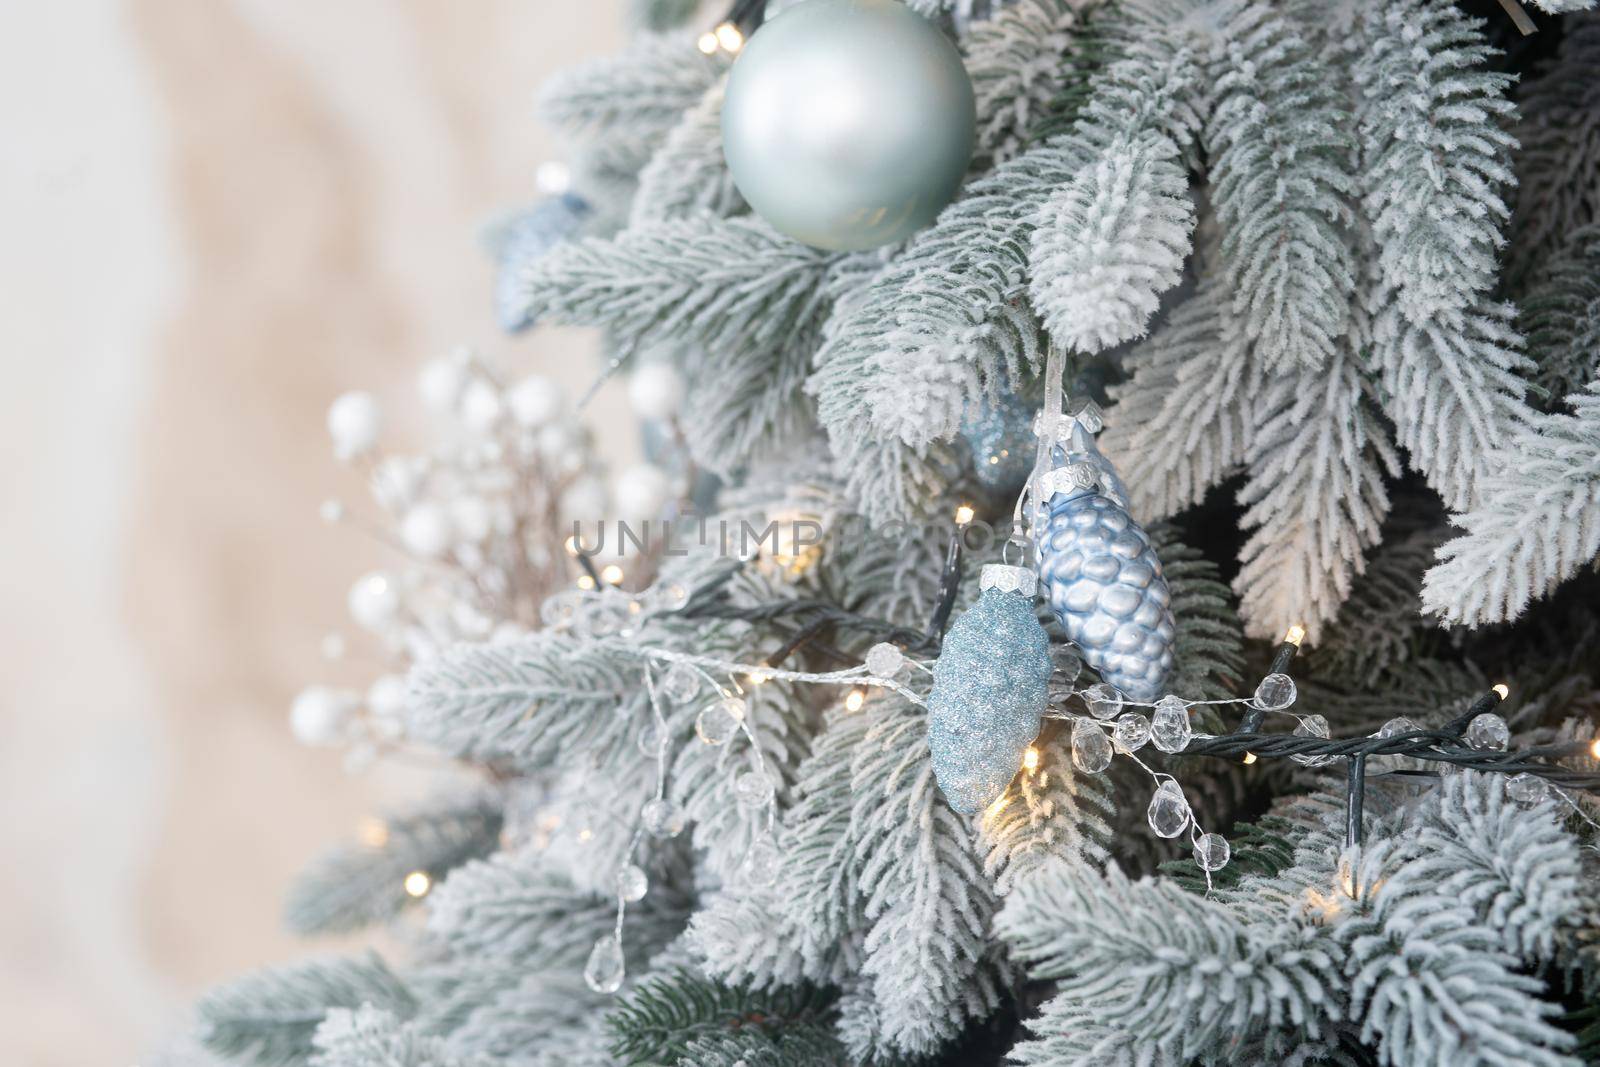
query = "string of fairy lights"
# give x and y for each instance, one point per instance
(1107, 725)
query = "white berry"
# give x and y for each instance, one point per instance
(374, 600)
(535, 401)
(354, 422)
(656, 391)
(426, 531)
(321, 716)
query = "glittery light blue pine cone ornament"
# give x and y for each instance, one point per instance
(1002, 442)
(989, 691)
(521, 243)
(1100, 575)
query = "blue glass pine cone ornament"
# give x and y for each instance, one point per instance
(990, 688)
(1100, 575)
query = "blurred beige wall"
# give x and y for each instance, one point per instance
(217, 214)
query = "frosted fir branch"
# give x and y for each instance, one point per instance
(1279, 178)
(701, 777)
(747, 1047)
(1169, 975)
(1428, 981)
(687, 175)
(638, 94)
(545, 1019)
(926, 899)
(1536, 524)
(1435, 157)
(371, 1037)
(1562, 7)
(1054, 812)
(531, 702)
(1209, 645)
(1315, 498)
(1380, 624)
(1186, 416)
(747, 936)
(823, 897)
(509, 908)
(268, 1018)
(1513, 865)
(1021, 62)
(944, 321)
(1109, 243)
(1453, 387)
(743, 405)
(358, 884)
(892, 481)
(1561, 316)
(671, 1016)
(1558, 167)
(733, 283)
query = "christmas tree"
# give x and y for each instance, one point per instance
(1140, 611)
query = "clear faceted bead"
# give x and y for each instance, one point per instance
(1169, 811)
(1103, 700)
(719, 720)
(605, 970)
(1275, 692)
(669, 597)
(648, 739)
(1312, 726)
(632, 883)
(1091, 749)
(1170, 730)
(1397, 726)
(1488, 733)
(681, 683)
(761, 862)
(1527, 788)
(753, 790)
(662, 818)
(1131, 732)
(1066, 662)
(884, 660)
(560, 610)
(1211, 852)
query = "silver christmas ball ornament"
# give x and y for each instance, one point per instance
(848, 124)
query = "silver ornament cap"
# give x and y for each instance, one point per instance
(1008, 579)
(848, 124)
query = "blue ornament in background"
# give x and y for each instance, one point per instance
(990, 687)
(1002, 442)
(521, 243)
(1101, 577)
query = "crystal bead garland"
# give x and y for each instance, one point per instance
(1488, 733)
(632, 883)
(1131, 732)
(662, 818)
(606, 968)
(1169, 810)
(990, 686)
(1098, 571)
(1091, 749)
(1170, 730)
(762, 863)
(1275, 692)
(1212, 852)
(718, 722)
(1527, 789)
(1313, 726)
